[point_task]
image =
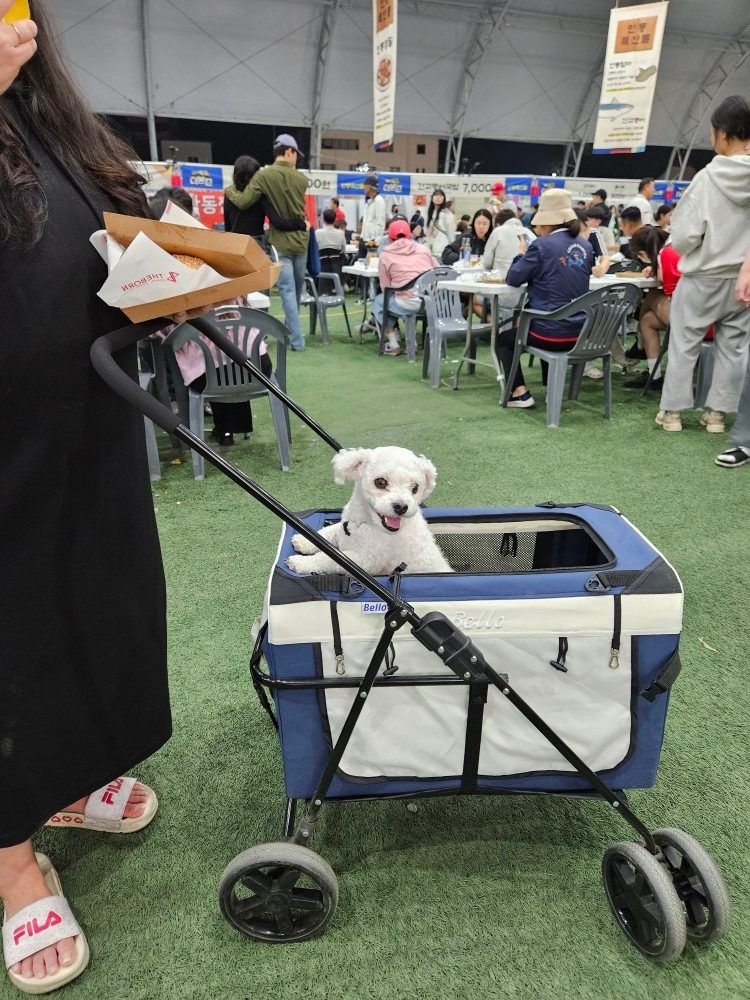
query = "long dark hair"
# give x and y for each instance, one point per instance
(70, 130)
(648, 240)
(245, 168)
(486, 214)
(435, 209)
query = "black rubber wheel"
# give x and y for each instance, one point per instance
(644, 901)
(278, 892)
(699, 885)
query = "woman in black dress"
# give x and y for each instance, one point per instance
(83, 679)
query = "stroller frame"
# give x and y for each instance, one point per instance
(662, 893)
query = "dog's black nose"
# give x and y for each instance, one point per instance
(400, 509)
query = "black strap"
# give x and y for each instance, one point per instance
(614, 656)
(665, 678)
(337, 583)
(612, 578)
(562, 652)
(472, 746)
(338, 650)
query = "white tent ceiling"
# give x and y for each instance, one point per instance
(255, 61)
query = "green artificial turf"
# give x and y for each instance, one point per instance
(468, 897)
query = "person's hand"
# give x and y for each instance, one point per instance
(648, 271)
(17, 46)
(182, 317)
(523, 246)
(742, 288)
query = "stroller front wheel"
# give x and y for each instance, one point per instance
(278, 892)
(644, 901)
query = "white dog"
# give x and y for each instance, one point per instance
(381, 525)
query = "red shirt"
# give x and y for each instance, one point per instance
(669, 261)
(340, 214)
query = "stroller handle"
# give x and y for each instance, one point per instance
(104, 347)
(120, 382)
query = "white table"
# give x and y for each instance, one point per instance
(367, 271)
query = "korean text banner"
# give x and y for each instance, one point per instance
(517, 187)
(629, 78)
(384, 27)
(196, 175)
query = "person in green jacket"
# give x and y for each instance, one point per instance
(284, 188)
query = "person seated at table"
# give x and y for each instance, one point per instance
(650, 246)
(328, 236)
(601, 233)
(401, 261)
(664, 216)
(477, 233)
(630, 222)
(602, 262)
(556, 267)
(509, 238)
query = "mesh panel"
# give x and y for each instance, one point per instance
(488, 552)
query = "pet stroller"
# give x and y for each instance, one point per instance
(437, 684)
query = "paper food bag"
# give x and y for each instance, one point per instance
(146, 280)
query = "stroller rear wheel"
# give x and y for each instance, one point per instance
(644, 901)
(699, 885)
(278, 892)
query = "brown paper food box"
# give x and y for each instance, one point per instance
(233, 255)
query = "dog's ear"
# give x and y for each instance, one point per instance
(347, 463)
(430, 475)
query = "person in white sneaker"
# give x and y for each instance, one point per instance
(739, 454)
(711, 229)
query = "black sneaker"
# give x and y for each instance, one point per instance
(636, 353)
(640, 381)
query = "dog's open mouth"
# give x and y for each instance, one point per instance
(390, 523)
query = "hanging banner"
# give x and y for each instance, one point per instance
(384, 21)
(631, 65)
(518, 187)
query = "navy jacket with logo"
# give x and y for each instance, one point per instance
(556, 269)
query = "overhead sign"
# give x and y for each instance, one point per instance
(631, 66)
(384, 29)
(394, 184)
(518, 187)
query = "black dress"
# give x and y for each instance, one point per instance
(83, 681)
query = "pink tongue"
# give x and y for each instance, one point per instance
(392, 522)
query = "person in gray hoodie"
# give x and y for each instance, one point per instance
(711, 230)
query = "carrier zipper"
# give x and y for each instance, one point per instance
(337, 647)
(614, 653)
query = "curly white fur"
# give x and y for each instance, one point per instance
(381, 526)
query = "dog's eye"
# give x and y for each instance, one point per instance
(414, 488)
(381, 484)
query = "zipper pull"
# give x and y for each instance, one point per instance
(614, 658)
(340, 666)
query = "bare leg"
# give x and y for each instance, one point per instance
(22, 883)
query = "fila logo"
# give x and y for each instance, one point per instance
(112, 790)
(32, 927)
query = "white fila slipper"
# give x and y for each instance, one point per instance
(105, 807)
(38, 926)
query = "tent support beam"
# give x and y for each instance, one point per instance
(148, 80)
(482, 36)
(327, 26)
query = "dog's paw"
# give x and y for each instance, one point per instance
(297, 564)
(303, 545)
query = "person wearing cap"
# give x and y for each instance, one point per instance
(401, 261)
(374, 215)
(556, 267)
(284, 188)
(599, 198)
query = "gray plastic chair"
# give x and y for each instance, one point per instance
(145, 380)
(445, 320)
(231, 383)
(704, 369)
(421, 285)
(605, 310)
(329, 300)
